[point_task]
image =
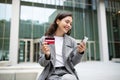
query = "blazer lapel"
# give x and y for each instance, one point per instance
(67, 47)
(53, 53)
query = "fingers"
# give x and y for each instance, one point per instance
(45, 48)
(81, 47)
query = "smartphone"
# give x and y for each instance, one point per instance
(85, 39)
(50, 40)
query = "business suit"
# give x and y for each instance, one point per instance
(70, 57)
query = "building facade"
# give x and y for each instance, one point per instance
(23, 22)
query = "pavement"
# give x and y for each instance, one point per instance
(93, 70)
(89, 70)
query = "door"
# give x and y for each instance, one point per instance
(24, 51)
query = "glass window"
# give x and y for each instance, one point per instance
(33, 23)
(5, 19)
(51, 2)
(113, 27)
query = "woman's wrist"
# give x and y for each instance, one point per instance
(47, 56)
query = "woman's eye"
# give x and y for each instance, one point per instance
(67, 21)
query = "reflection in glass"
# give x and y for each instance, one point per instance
(5, 16)
(113, 27)
(21, 55)
(51, 2)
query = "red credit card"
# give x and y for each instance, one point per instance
(50, 40)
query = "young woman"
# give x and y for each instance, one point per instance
(62, 53)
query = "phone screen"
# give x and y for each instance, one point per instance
(50, 40)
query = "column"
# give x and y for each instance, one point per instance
(14, 32)
(31, 50)
(103, 39)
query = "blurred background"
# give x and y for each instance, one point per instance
(24, 22)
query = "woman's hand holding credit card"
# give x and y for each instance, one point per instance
(45, 46)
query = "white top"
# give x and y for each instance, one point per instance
(58, 48)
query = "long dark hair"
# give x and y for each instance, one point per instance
(51, 30)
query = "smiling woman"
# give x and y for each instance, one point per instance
(60, 58)
(64, 21)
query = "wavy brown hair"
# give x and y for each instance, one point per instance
(51, 30)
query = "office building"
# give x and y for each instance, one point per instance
(23, 22)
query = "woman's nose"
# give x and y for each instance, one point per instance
(69, 25)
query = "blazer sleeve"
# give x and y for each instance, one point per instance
(75, 56)
(42, 59)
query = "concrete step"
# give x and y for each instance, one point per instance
(90, 70)
(18, 76)
(20, 72)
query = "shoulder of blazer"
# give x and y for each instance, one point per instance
(70, 38)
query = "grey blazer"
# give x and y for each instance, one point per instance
(70, 56)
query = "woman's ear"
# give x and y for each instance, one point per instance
(57, 21)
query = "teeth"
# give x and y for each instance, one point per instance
(66, 28)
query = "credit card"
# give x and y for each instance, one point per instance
(50, 40)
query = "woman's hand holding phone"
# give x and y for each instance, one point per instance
(82, 46)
